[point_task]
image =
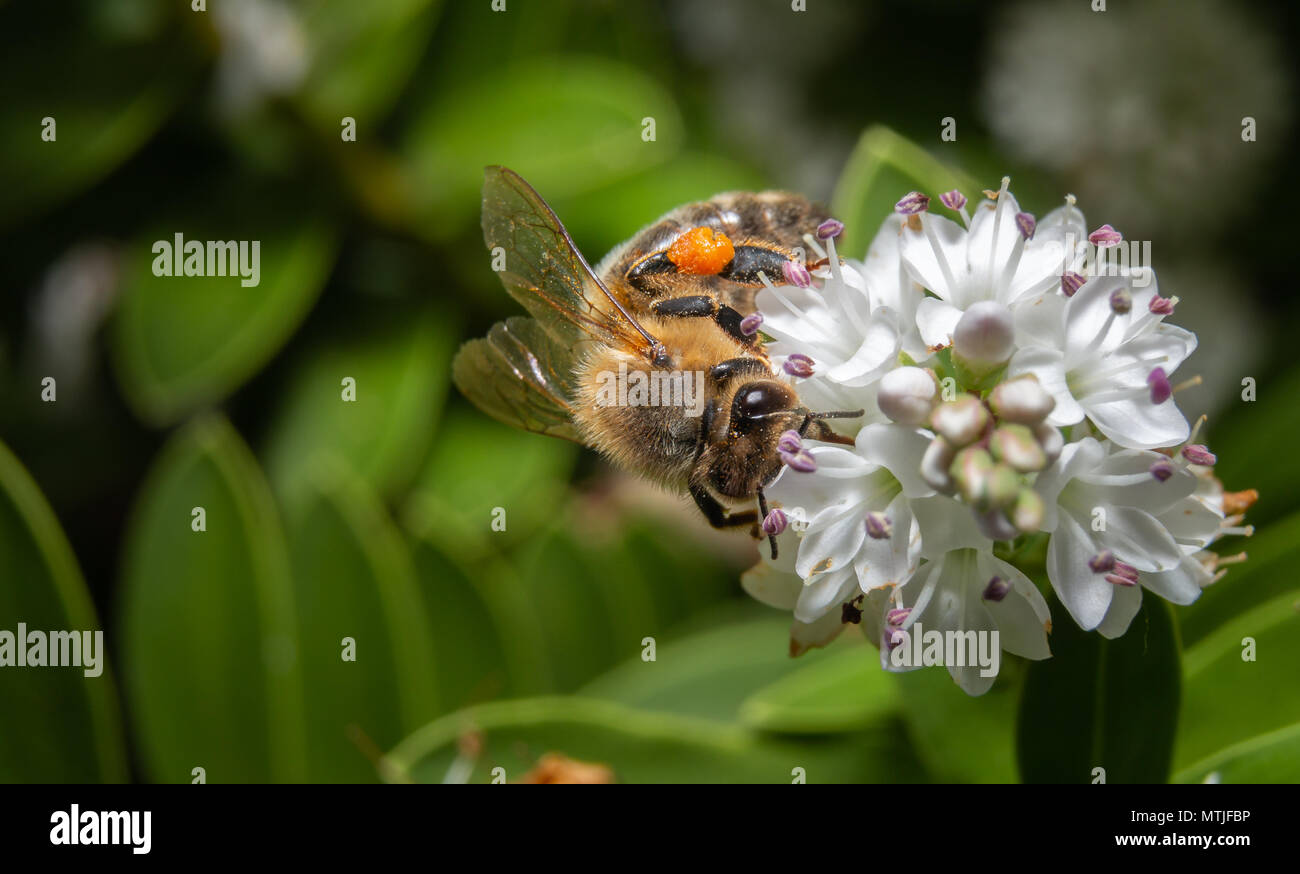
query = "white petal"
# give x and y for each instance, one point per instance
(1048, 365)
(1086, 595)
(1022, 616)
(946, 525)
(1138, 538)
(771, 586)
(826, 592)
(923, 262)
(806, 635)
(1137, 423)
(1075, 458)
(830, 548)
(936, 320)
(1182, 585)
(1123, 607)
(898, 449)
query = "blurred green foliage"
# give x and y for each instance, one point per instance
(371, 521)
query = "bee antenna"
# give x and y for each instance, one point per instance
(838, 414)
(762, 508)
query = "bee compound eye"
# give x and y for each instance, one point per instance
(758, 399)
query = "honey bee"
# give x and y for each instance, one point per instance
(666, 305)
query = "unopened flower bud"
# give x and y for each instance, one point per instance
(1027, 514)
(994, 525)
(1015, 445)
(1002, 487)
(970, 472)
(985, 336)
(907, 395)
(935, 464)
(961, 421)
(1021, 400)
(1050, 439)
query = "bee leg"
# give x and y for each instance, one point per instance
(703, 306)
(752, 262)
(717, 514)
(690, 306)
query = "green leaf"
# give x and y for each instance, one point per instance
(183, 342)
(639, 747)
(211, 658)
(400, 372)
(1099, 703)
(61, 725)
(1245, 441)
(354, 580)
(566, 125)
(1274, 553)
(959, 738)
(1229, 699)
(361, 54)
(118, 102)
(477, 658)
(477, 466)
(883, 167)
(1269, 758)
(844, 691)
(713, 672)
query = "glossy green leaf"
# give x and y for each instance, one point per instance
(61, 725)
(361, 54)
(712, 672)
(211, 658)
(482, 651)
(487, 485)
(882, 168)
(960, 738)
(844, 691)
(1098, 703)
(96, 75)
(601, 219)
(365, 642)
(567, 126)
(1269, 758)
(1246, 442)
(400, 375)
(1228, 698)
(639, 747)
(182, 342)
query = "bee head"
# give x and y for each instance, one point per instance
(761, 405)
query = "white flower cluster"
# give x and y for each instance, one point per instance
(1017, 388)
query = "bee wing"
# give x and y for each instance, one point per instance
(520, 375)
(545, 271)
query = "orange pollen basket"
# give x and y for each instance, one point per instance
(701, 252)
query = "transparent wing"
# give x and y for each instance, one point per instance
(544, 270)
(520, 375)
